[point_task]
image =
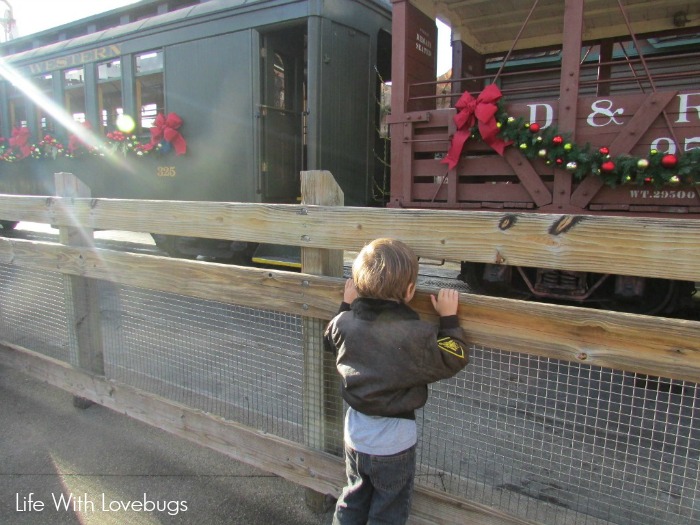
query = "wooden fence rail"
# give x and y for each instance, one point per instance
(654, 248)
(663, 248)
(667, 347)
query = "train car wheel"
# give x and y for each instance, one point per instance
(658, 297)
(471, 274)
(495, 280)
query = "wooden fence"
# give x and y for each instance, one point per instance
(664, 248)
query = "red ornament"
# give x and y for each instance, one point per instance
(604, 151)
(534, 127)
(558, 140)
(608, 166)
(669, 161)
(559, 161)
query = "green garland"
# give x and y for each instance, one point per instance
(557, 149)
(51, 148)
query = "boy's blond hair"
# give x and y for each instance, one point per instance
(384, 269)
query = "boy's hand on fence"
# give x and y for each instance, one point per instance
(446, 303)
(350, 293)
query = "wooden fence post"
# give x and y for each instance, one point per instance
(323, 406)
(81, 293)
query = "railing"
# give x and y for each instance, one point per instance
(556, 406)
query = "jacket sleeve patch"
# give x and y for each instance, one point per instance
(449, 345)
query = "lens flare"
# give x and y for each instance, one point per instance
(125, 123)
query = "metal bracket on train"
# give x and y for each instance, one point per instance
(418, 116)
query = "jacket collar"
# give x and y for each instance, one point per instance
(370, 309)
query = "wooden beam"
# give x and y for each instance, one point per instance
(529, 178)
(619, 245)
(82, 294)
(295, 293)
(636, 343)
(571, 58)
(322, 406)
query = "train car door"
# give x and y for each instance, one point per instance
(281, 115)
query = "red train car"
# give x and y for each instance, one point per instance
(558, 106)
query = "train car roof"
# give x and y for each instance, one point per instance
(490, 26)
(121, 22)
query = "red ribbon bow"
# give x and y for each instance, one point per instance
(165, 128)
(471, 110)
(19, 139)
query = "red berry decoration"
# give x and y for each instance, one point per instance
(669, 161)
(608, 166)
(604, 151)
(534, 127)
(558, 140)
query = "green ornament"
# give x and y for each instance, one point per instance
(654, 151)
(642, 164)
(523, 146)
(542, 153)
(568, 146)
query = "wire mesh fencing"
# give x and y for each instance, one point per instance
(33, 312)
(558, 442)
(238, 363)
(545, 440)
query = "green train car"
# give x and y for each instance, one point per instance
(249, 92)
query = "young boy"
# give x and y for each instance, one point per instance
(386, 356)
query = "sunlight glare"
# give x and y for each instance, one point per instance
(48, 105)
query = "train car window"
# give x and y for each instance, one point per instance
(43, 120)
(150, 99)
(278, 100)
(109, 94)
(18, 107)
(74, 89)
(282, 117)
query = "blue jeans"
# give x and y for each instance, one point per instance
(379, 488)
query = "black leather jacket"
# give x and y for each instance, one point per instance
(386, 355)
